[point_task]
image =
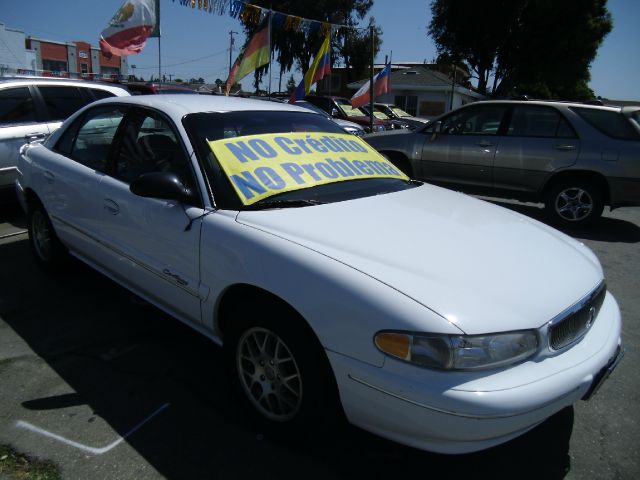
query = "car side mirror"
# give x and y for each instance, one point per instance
(164, 185)
(434, 128)
(334, 112)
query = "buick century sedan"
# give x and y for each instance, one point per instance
(334, 283)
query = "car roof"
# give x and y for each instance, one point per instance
(13, 81)
(548, 103)
(178, 105)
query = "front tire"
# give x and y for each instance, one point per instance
(281, 372)
(574, 203)
(50, 254)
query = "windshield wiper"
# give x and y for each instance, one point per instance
(292, 203)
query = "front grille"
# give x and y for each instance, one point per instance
(572, 327)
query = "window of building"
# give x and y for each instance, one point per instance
(408, 103)
(432, 109)
(54, 65)
(16, 107)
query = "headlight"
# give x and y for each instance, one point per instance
(378, 128)
(459, 352)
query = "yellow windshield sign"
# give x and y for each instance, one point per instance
(260, 166)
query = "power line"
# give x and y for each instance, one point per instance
(186, 61)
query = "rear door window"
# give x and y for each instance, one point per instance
(612, 124)
(538, 121)
(96, 132)
(16, 107)
(62, 102)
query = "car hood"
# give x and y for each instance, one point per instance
(480, 266)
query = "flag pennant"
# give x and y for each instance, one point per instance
(380, 86)
(253, 55)
(128, 30)
(320, 67)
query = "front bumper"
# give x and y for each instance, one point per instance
(461, 412)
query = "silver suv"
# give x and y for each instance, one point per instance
(32, 108)
(576, 158)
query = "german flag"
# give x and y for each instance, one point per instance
(253, 55)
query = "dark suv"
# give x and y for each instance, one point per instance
(573, 157)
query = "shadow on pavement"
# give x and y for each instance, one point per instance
(125, 359)
(13, 214)
(606, 229)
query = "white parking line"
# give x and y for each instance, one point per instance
(86, 448)
(13, 234)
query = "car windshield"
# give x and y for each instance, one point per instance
(310, 106)
(399, 112)
(376, 113)
(276, 159)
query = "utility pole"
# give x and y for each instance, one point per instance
(371, 32)
(170, 75)
(231, 43)
(453, 85)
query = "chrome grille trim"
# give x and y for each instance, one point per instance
(571, 325)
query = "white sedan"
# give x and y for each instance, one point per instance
(334, 283)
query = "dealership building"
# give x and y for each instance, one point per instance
(27, 55)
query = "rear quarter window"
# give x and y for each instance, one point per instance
(612, 124)
(61, 101)
(100, 94)
(16, 107)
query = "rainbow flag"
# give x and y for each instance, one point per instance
(320, 67)
(128, 30)
(253, 55)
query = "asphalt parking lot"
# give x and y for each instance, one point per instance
(102, 385)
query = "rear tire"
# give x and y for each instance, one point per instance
(50, 254)
(574, 202)
(280, 371)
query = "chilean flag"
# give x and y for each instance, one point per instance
(320, 67)
(380, 86)
(128, 30)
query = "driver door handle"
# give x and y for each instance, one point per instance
(111, 206)
(565, 147)
(485, 143)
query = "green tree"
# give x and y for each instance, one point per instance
(291, 84)
(538, 47)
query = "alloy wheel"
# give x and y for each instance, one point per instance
(41, 233)
(574, 204)
(269, 374)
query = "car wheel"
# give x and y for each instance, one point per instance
(574, 203)
(49, 252)
(281, 373)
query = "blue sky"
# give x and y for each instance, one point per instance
(195, 44)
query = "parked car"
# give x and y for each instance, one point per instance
(32, 108)
(396, 112)
(341, 108)
(157, 88)
(395, 122)
(332, 281)
(575, 158)
(349, 127)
